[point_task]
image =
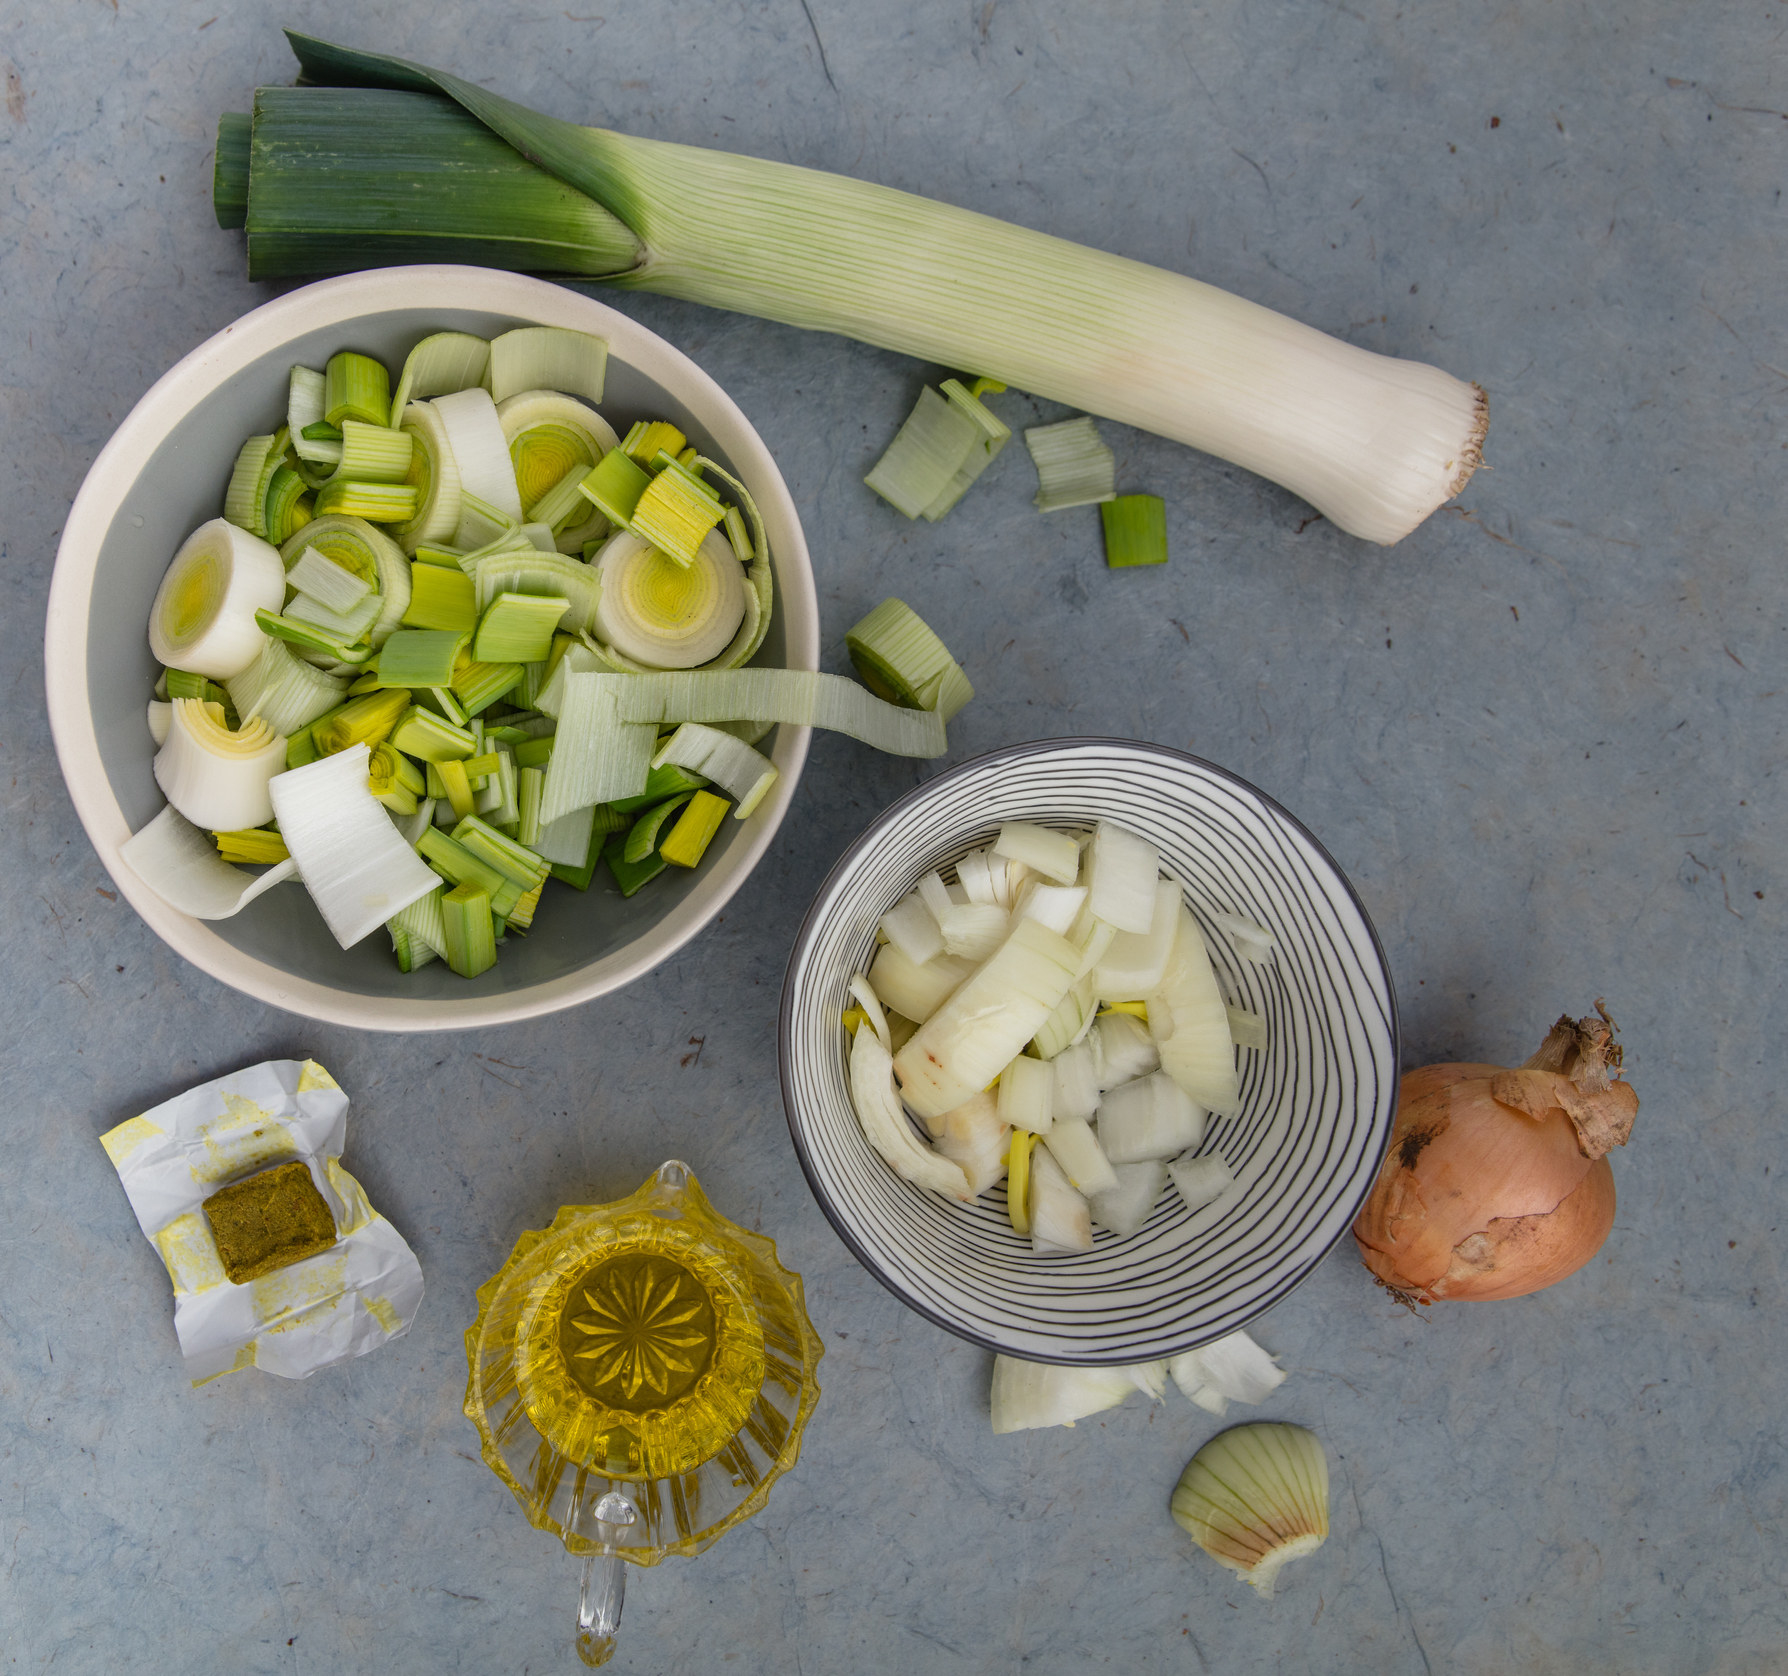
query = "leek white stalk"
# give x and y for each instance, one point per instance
(1127, 1206)
(203, 618)
(742, 773)
(215, 778)
(665, 615)
(181, 865)
(1189, 1020)
(1373, 443)
(354, 862)
(969, 1040)
(885, 1125)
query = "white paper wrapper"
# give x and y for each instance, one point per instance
(311, 1314)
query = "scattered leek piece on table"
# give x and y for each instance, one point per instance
(1074, 466)
(1374, 443)
(1135, 531)
(901, 660)
(948, 440)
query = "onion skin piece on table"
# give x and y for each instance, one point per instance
(1496, 1183)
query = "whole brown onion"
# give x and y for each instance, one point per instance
(1496, 1183)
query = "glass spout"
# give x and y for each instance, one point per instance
(608, 1525)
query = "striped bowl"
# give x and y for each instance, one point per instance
(1317, 1103)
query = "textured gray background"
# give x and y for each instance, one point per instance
(1543, 736)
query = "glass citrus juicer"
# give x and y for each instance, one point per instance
(640, 1376)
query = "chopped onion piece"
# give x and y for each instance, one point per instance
(871, 1004)
(1201, 1181)
(1123, 1050)
(1076, 1083)
(1027, 1095)
(1073, 1145)
(1057, 906)
(885, 1125)
(935, 894)
(1136, 961)
(1056, 855)
(975, 874)
(355, 864)
(910, 927)
(1125, 1208)
(1189, 1020)
(1231, 1369)
(974, 1138)
(1027, 1395)
(972, 930)
(181, 865)
(969, 1040)
(1150, 1118)
(1071, 1019)
(916, 989)
(1150, 1378)
(1123, 871)
(1059, 1218)
(1252, 942)
(1248, 1030)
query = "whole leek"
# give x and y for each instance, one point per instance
(1373, 443)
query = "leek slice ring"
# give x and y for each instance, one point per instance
(663, 615)
(547, 434)
(203, 618)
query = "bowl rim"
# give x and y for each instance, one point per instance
(119, 464)
(809, 924)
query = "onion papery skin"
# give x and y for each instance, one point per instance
(1491, 1187)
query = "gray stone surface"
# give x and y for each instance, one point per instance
(1543, 735)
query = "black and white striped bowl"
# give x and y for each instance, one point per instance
(1317, 1103)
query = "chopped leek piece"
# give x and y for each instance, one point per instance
(160, 719)
(744, 774)
(363, 721)
(320, 432)
(548, 358)
(382, 503)
(534, 754)
(347, 628)
(1135, 531)
(499, 802)
(230, 168)
(1074, 466)
(554, 444)
(420, 657)
(598, 754)
(421, 733)
(354, 862)
(471, 938)
(327, 582)
(565, 511)
(282, 688)
(665, 780)
(434, 475)
(527, 570)
(438, 365)
(663, 613)
(651, 437)
(181, 865)
(440, 599)
(285, 510)
(901, 660)
(356, 387)
(574, 841)
(245, 497)
(521, 916)
(366, 552)
(374, 453)
(204, 618)
(675, 514)
(740, 537)
(215, 778)
(304, 412)
(183, 683)
(630, 875)
(511, 859)
(694, 831)
(456, 787)
(479, 685)
(614, 486)
(780, 695)
(481, 767)
(529, 784)
(642, 838)
(518, 628)
(458, 865)
(481, 451)
(257, 847)
(948, 440)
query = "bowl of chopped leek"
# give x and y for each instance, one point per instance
(1089, 1051)
(412, 650)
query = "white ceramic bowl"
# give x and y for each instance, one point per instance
(163, 474)
(1317, 1104)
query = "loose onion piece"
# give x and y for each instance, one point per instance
(1496, 1183)
(1189, 1020)
(885, 1125)
(1124, 1208)
(1232, 1369)
(974, 1138)
(203, 618)
(1255, 1497)
(215, 778)
(1059, 1219)
(1032, 1394)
